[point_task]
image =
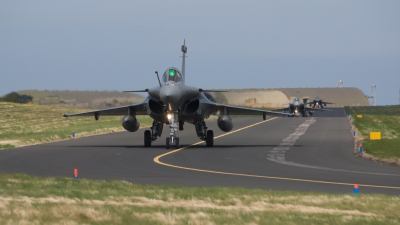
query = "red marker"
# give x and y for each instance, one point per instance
(75, 174)
(356, 189)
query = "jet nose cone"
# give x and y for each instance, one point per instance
(170, 96)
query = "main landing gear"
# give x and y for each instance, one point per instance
(152, 134)
(173, 141)
(204, 134)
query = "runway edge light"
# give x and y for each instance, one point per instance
(355, 188)
(360, 149)
(76, 174)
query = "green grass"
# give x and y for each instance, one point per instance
(28, 199)
(6, 146)
(25, 124)
(384, 119)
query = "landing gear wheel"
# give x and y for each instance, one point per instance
(177, 143)
(147, 138)
(167, 140)
(210, 138)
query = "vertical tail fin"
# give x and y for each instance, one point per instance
(184, 50)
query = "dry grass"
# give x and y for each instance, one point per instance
(26, 199)
(173, 211)
(24, 124)
(94, 210)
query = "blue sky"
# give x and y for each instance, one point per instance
(117, 45)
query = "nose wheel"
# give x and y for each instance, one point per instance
(172, 142)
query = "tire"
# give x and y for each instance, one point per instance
(167, 144)
(177, 143)
(210, 138)
(147, 138)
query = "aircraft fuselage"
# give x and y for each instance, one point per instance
(178, 98)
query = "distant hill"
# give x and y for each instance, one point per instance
(82, 99)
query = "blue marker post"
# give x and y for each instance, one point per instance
(356, 189)
(354, 134)
(360, 149)
(73, 134)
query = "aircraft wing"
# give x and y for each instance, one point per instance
(135, 109)
(316, 109)
(237, 110)
(282, 109)
(327, 103)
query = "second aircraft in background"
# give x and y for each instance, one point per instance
(317, 102)
(298, 108)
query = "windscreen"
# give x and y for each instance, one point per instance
(172, 74)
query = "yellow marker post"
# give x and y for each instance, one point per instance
(359, 116)
(375, 135)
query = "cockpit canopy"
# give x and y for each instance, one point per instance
(172, 74)
(296, 99)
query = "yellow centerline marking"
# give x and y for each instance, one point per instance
(157, 160)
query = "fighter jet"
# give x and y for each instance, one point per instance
(174, 103)
(298, 108)
(317, 102)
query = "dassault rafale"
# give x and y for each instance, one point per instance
(317, 102)
(298, 108)
(174, 103)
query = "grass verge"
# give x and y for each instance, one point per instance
(6, 146)
(384, 119)
(24, 124)
(37, 200)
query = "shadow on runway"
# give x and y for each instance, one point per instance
(117, 146)
(242, 146)
(182, 146)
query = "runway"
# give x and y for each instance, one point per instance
(301, 154)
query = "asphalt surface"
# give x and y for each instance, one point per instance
(302, 154)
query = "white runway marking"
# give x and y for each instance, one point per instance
(277, 154)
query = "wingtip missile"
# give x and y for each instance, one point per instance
(202, 90)
(145, 90)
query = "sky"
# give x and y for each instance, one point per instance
(118, 45)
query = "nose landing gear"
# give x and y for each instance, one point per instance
(172, 140)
